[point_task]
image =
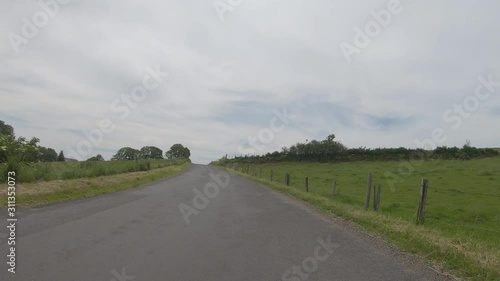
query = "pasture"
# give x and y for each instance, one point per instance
(462, 209)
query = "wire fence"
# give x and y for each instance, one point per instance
(403, 204)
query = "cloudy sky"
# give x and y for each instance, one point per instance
(241, 76)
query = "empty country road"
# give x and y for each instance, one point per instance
(243, 232)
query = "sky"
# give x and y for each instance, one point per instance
(249, 77)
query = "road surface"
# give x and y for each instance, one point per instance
(241, 231)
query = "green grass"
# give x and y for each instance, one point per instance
(33, 172)
(42, 193)
(462, 223)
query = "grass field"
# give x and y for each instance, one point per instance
(74, 170)
(462, 210)
(33, 194)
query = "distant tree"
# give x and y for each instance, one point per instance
(151, 152)
(467, 144)
(47, 154)
(330, 138)
(6, 145)
(126, 153)
(60, 157)
(178, 151)
(6, 129)
(98, 157)
(21, 150)
(30, 151)
(7, 141)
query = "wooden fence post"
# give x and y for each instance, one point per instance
(334, 191)
(421, 203)
(376, 197)
(307, 184)
(272, 174)
(368, 192)
(287, 179)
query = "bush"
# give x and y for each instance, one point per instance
(330, 150)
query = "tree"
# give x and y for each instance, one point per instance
(5, 147)
(98, 157)
(178, 151)
(6, 129)
(151, 152)
(467, 144)
(60, 157)
(330, 138)
(6, 141)
(20, 149)
(126, 153)
(30, 151)
(46, 154)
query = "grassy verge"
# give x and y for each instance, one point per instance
(46, 192)
(472, 258)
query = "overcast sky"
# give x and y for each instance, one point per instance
(270, 70)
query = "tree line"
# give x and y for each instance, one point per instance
(330, 149)
(22, 150)
(177, 151)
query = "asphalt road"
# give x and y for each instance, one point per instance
(243, 232)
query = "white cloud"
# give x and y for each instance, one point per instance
(265, 54)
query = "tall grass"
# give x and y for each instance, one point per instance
(32, 172)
